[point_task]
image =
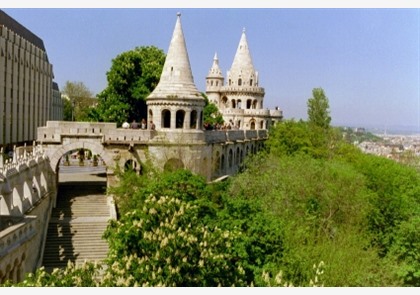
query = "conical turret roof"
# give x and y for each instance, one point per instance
(215, 71)
(176, 80)
(242, 60)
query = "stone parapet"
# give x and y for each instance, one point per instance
(222, 136)
(243, 89)
(15, 231)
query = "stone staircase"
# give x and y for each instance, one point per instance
(77, 225)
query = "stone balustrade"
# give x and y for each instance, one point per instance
(14, 231)
(249, 89)
(20, 158)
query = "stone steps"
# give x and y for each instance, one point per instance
(76, 227)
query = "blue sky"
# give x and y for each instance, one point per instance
(366, 60)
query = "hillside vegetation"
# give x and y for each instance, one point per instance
(309, 210)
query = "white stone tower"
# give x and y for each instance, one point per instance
(240, 99)
(214, 82)
(176, 103)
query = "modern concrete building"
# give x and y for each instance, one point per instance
(26, 84)
(56, 113)
(240, 99)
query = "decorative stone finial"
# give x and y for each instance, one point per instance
(178, 14)
(14, 154)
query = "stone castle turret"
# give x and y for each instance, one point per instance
(240, 100)
(176, 103)
(214, 82)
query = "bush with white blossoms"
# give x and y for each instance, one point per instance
(166, 244)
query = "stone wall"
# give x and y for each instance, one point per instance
(27, 194)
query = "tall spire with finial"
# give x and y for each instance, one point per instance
(176, 80)
(215, 71)
(242, 66)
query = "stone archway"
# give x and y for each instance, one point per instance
(96, 148)
(173, 164)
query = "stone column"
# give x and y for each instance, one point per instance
(173, 119)
(187, 120)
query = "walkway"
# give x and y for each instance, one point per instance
(78, 221)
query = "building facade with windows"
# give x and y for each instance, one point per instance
(26, 84)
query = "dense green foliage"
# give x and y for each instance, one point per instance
(132, 77)
(318, 109)
(211, 114)
(311, 209)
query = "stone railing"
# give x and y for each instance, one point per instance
(257, 112)
(55, 130)
(15, 231)
(251, 89)
(215, 136)
(20, 157)
(129, 135)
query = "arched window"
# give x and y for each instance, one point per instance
(230, 159)
(150, 115)
(230, 82)
(254, 104)
(253, 125)
(180, 115)
(237, 156)
(248, 104)
(250, 82)
(262, 124)
(233, 104)
(239, 103)
(166, 118)
(173, 164)
(222, 163)
(239, 82)
(224, 100)
(193, 120)
(217, 162)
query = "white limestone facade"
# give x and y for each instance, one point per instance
(176, 103)
(240, 99)
(26, 83)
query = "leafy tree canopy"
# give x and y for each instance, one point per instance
(79, 99)
(318, 109)
(132, 77)
(211, 113)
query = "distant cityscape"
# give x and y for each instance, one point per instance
(401, 143)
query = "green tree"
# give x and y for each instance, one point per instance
(132, 77)
(80, 99)
(211, 113)
(68, 109)
(318, 109)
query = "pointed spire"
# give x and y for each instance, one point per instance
(242, 60)
(215, 71)
(176, 79)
